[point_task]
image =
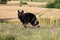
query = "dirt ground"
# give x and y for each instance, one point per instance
(10, 10)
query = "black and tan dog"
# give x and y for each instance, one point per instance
(26, 18)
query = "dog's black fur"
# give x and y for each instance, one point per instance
(27, 18)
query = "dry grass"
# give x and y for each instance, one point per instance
(10, 11)
(18, 32)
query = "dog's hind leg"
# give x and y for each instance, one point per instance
(38, 26)
(25, 25)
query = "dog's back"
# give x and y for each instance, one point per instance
(29, 17)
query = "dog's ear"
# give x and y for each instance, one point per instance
(18, 11)
(22, 11)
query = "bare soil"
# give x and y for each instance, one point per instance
(10, 10)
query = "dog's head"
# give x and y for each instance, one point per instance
(20, 13)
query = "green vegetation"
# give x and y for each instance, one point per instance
(41, 0)
(18, 32)
(54, 4)
(2, 21)
(50, 5)
(23, 3)
(38, 0)
(2, 2)
(7, 37)
(57, 5)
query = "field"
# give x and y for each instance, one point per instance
(18, 32)
(36, 0)
(12, 29)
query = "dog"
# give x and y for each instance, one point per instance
(26, 18)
